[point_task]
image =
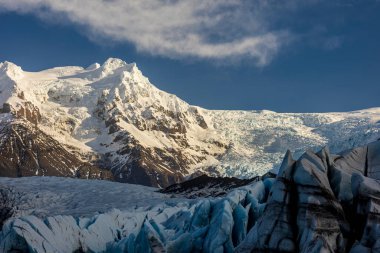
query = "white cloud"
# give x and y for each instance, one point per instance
(211, 29)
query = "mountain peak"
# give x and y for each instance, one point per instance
(110, 67)
(113, 64)
(11, 70)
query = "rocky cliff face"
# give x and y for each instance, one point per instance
(112, 117)
(27, 151)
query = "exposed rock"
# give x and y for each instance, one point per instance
(30, 112)
(206, 186)
(27, 151)
(144, 167)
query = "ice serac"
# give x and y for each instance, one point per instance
(218, 238)
(296, 212)
(320, 218)
(179, 226)
(275, 231)
(366, 192)
(240, 215)
(304, 214)
(110, 116)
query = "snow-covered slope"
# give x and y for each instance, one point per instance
(110, 115)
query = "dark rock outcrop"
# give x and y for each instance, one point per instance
(205, 186)
(26, 111)
(27, 151)
(145, 165)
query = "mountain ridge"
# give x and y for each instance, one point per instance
(111, 116)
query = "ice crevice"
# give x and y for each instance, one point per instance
(306, 208)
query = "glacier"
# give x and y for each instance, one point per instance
(321, 202)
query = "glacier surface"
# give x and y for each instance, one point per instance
(303, 209)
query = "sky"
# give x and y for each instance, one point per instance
(284, 56)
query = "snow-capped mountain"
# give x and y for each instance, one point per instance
(109, 117)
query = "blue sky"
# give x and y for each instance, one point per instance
(286, 56)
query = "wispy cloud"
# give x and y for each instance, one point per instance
(217, 30)
(179, 29)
